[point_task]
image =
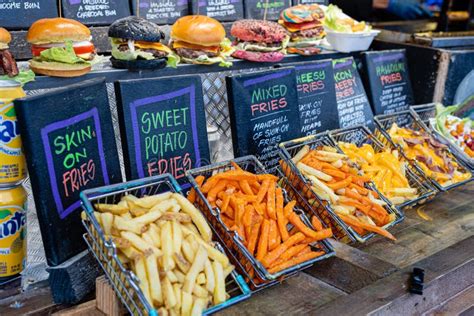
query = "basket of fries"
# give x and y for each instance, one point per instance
(157, 249)
(390, 172)
(431, 157)
(353, 208)
(260, 225)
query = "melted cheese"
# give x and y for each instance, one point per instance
(179, 44)
(152, 45)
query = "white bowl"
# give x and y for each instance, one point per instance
(350, 42)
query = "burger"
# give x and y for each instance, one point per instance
(8, 64)
(60, 47)
(136, 45)
(304, 22)
(199, 39)
(258, 40)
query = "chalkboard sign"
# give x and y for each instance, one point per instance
(222, 10)
(29, 11)
(96, 12)
(263, 110)
(388, 80)
(353, 105)
(296, 2)
(316, 96)
(163, 126)
(69, 145)
(161, 11)
(255, 9)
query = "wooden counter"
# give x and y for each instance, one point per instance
(361, 279)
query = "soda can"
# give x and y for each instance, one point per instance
(12, 160)
(12, 232)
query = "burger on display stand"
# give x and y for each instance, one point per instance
(202, 230)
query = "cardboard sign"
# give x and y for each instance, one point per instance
(163, 126)
(316, 96)
(352, 103)
(96, 12)
(161, 11)
(222, 10)
(70, 147)
(19, 14)
(263, 110)
(388, 78)
(255, 9)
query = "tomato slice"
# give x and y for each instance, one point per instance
(81, 49)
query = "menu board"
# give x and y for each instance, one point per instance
(96, 12)
(69, 148)
(263, 110)
(222, 10)
(255, 9)
(389, 81)
(163, 126)
(161, 11)
(316, 96)
(352, 103)
(29, 11)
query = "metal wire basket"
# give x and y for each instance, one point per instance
(360, 135)
(424, 113)
(124, 281)
(255, 273)
(341, 230)
(408, 119)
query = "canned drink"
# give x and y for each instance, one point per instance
(12, 232)
(12, 160)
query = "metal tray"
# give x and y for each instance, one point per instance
(410, 120)
(255, 273)
(445, 39)
(124, 282)
(341, 230)
(360, 135)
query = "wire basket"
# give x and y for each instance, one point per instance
(255, 273)
(360, 135)
(341, 230)
(424, 113)
(124, 281)
(409, 119)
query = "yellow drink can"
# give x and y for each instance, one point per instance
(12, 231)
(12, 160)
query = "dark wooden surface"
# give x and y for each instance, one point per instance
(361, 279)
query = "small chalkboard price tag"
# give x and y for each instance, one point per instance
(19, 14)
(70, 148)
(353, 106)
(95, 12)
(255, 9)
(316, 96)
(388, 80)
(263, 110)
(161, 11)
(163, 126)
(222, 10)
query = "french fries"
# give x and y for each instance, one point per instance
(254, 207)
(167, 243)
(386, 169)
(335, 179)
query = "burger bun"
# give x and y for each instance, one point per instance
(56, 69)
(138, 64)
(199, 30)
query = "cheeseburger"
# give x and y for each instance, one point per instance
(8, 64)
(199, 39)
(258, 40)
(304, 22)
(60, 47)
(136, 45)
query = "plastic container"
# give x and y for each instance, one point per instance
(350, 42)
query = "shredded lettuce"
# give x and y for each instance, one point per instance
(64, 54)
(23, 77)
(442, 114)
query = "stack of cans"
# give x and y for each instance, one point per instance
(13, 196)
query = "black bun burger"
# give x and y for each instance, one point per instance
(136, 45)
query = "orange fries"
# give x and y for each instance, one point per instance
(254, 207)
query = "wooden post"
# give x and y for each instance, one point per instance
(106, 299)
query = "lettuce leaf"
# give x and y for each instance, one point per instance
(64, 54)
(226, 48)
(173, 60)
(23, 77)
(331, 18)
